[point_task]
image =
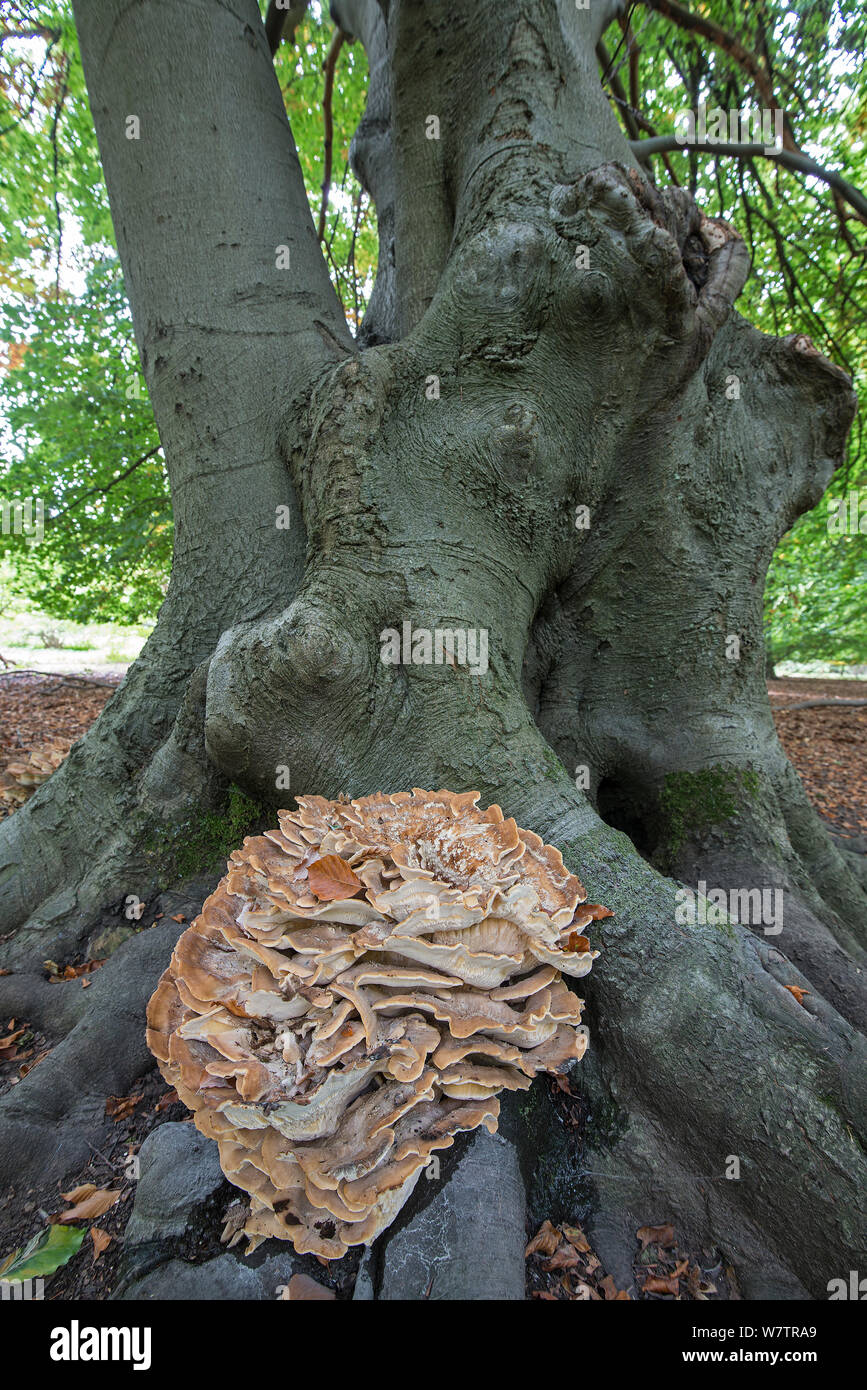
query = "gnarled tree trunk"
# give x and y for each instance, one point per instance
(551, 340)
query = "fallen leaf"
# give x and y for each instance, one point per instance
(120, 1107)
(95, 1203)
(563, 1258)
(46, 1252)
(301, 1286)
(655, 1283)
(798, 991)
(330, 878)
(170, 1098)
(101, 1241)
(610, 1289)
(548, 1297)
(546, 1240)
(178, 917)
(577, 1238)
(658, 1235)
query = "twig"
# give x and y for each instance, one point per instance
(328, 67)
(103, 489)
(659, 144)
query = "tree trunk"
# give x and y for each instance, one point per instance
(555, 430)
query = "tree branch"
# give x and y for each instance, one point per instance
(91, 491)
(790, 159)
(329, 67)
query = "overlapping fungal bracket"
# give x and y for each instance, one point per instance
(358, 990)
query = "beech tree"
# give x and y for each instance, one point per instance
(552, 428)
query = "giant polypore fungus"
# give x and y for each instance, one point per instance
(358, 990)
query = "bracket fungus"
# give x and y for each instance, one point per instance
(358, 990)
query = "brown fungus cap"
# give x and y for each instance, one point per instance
(358, 990)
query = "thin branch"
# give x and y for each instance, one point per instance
(788, 158)
(729, 43)
(103, 489)
(329, 67)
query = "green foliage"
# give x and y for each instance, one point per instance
(693, 802)
(76, 427)
(46, 1252)
(808, 259)
(71, 434)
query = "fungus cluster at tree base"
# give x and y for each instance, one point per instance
(358, 990)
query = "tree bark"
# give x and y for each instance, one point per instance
(550, 333)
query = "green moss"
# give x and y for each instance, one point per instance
(692, 802)
(554, 769)
(206, 840)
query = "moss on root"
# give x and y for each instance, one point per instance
(205, 840)
(693, 802)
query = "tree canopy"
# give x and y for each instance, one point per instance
(75, 422)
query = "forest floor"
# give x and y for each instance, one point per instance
(826, 743)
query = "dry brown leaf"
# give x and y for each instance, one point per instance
(27, 1067)
(78, 1193)
(610, 1289)
(577, 1238)
(563, 1258)
(680, 1269)
(330, 878)
(548, 1297)
(546, 1240)
(662, 1236)
(170, 1098)
(119, 1107)
(101, 1241)
(656, 1283)
(178, 917)
(798, 991)
(96, 1203)
(301, 1286)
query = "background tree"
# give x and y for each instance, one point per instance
(548, 330)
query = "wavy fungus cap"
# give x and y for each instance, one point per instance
(359, 988)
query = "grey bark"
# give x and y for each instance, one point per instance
(562, 383)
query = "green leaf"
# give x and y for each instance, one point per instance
(46, 1252)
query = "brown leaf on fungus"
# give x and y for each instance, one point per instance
(663, 1236)
(331, 878)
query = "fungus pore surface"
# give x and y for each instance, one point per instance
(358, 990)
